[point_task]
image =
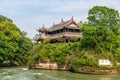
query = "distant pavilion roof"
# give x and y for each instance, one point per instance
(43, 29)
(71, 25)
(63, 24)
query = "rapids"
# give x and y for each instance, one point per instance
(25, 74)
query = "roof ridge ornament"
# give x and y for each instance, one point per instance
(53, 24)
(42, 29)
(62, 21)
(43, 26)
(72, 18)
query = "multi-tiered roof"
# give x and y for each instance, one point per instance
(65, 30)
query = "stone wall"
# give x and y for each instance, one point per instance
(45, 66)
(49, 66)
(88, 70)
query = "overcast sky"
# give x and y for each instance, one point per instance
(29, 15)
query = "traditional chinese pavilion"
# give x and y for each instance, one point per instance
(65, 31)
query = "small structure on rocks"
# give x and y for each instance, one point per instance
(105, 62)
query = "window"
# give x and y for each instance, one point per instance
(102, 61)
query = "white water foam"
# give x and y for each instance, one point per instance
(37, 73)
(54, 78)
(6, 77)
(24, 68)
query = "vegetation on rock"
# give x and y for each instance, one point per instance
(101, 40)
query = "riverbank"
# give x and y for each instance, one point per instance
(49, 66)
(87, 70)
(84, 70)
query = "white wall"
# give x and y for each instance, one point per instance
(104, 62)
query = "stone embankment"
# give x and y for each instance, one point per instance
(86, 70)
(48, 66)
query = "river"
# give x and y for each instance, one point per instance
(25, 74)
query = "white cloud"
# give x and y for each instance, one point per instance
(76, 5)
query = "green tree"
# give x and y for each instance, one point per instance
(102, 30)
(101, 33)
(3, 18)
(104, 16)
(13, 44)
(98, 38)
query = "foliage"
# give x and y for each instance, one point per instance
(34, 57)
(63, 54)
(74, 39)
(3, 18)
(55, 52)
(117, 54)
(100, 40)
(102, 32)
(104, 16)
(83, 61)
(46, 41)
(14, 46)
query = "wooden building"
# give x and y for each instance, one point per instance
(65, 31)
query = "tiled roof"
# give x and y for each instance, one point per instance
(42, 29)
(62, 25)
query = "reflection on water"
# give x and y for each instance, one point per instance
(25, 74)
